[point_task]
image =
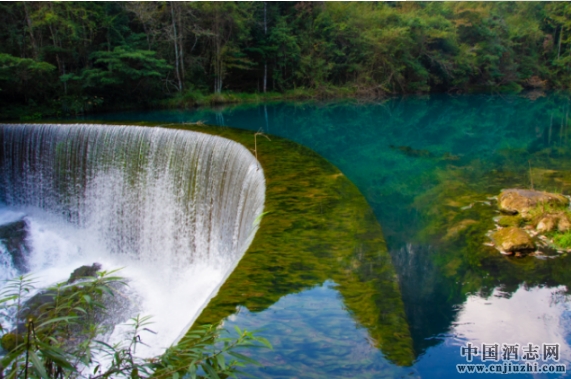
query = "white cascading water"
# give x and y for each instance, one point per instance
(177, 209)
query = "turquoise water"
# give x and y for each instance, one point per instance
(428, 167)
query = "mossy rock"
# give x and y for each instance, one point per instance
(547, 223)
(553, 221)
(41, 305)
(513, 239)
(507, 221)
(521, 201)
(10, 341)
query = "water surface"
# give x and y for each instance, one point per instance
(428, 167)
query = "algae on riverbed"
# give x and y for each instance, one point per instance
(318, 228)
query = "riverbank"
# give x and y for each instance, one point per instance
(194, 99)
(186, 100)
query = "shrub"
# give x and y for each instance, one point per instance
(56, 335)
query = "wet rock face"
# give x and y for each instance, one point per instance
(84, 272)
(37, 304)
(40, 307)
(514, 201)
(513, 240)
(13, 236)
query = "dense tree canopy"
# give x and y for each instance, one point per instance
(77, 56)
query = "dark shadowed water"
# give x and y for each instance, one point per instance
(429, 168)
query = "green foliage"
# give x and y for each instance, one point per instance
(119, 66)
(55, 335)
(140, 52)
(563, 240)
(15, 68)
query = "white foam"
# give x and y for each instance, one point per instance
(8, 216)
(176, 209)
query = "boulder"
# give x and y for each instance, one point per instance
(547, 223)
(43, 301)
(555, 220)
(514, 201)
(14, 237)
(84, 272)
(117, 305)
(564, 224)
(513, 239)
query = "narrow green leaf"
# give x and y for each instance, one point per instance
(244, 358)
(265, 342)
(37, 365)
(221, 361)
(192, 371)
(57, 319)
(210, 371)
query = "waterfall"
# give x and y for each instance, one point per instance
(167, 202)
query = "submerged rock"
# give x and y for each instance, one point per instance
(514, 201)
(415, 153)
(456, 229)
(513, 240)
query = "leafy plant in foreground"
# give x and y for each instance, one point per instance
(57, 334)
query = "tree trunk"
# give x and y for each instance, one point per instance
(181, 43)
(31, 31)
(560, 36)
(177, 71)
(266, 34)
(218, 53)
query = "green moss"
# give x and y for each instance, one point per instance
(461, 254)
(562, 240)
(10, 341)
(540, 210)
(506, 221)
(319, 227)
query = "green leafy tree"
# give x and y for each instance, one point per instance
(18, 73)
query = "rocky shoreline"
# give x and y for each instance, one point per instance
(531, 223)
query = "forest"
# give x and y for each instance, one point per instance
(62, 58)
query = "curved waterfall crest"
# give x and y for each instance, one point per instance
(152, 194)
(177, 209)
